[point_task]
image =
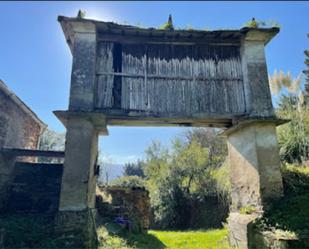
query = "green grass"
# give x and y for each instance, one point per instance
(154, 239)
(36, 231)
(192, 239)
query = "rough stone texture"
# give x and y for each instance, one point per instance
(79, 179)
(19, 127)
(76, 228)
(238, 229)
(269, 240)
(255, 165)
(35, 188)
(255, 175)
(130, 203)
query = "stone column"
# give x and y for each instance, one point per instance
(254, 172)
(255, 165)
(83, 69)
(75, 218)
(255, 76)
(77, 189)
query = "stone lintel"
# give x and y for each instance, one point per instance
(98, 119)
(241, 123)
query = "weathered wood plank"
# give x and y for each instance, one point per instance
(104, 87)
(178, 79)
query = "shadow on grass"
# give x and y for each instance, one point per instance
(110, 231)
(145, 241)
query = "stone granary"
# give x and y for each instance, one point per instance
(19, 128)
(130, 76)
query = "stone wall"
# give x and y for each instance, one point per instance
(17, 128)
(35, 188)
(130, 203)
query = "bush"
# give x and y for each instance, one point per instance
(290, 215)
(129, 182)
(295, 179)
(221, 178)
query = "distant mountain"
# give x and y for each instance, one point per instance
(111, 171)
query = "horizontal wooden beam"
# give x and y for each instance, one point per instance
(142, 118)
(31, 153)
(133, 39)
(153, 76)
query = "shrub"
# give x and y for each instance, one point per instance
(129, 182)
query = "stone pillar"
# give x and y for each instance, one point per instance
(83, 69)
(255, 76)
(7, 163)
(78, 180)
(75, 218)
(254, 172)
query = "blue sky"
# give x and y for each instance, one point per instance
(35, 61)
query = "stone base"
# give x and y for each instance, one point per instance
(76, 229)
(271, 239)
(238, 226)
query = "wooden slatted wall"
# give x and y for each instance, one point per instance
(183, 79)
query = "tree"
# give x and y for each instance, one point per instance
(189, 164)
(182, 176)
(294, 136)
(208, 138)
(134, 169)
(51, 140)
(129, 182)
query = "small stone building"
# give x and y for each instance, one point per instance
(19, 125)
(20, 128)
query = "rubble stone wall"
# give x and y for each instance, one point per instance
(35, 188)
(17, 128)
(130, 203)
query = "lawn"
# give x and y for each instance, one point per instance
(154, 239)
(192, 239)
